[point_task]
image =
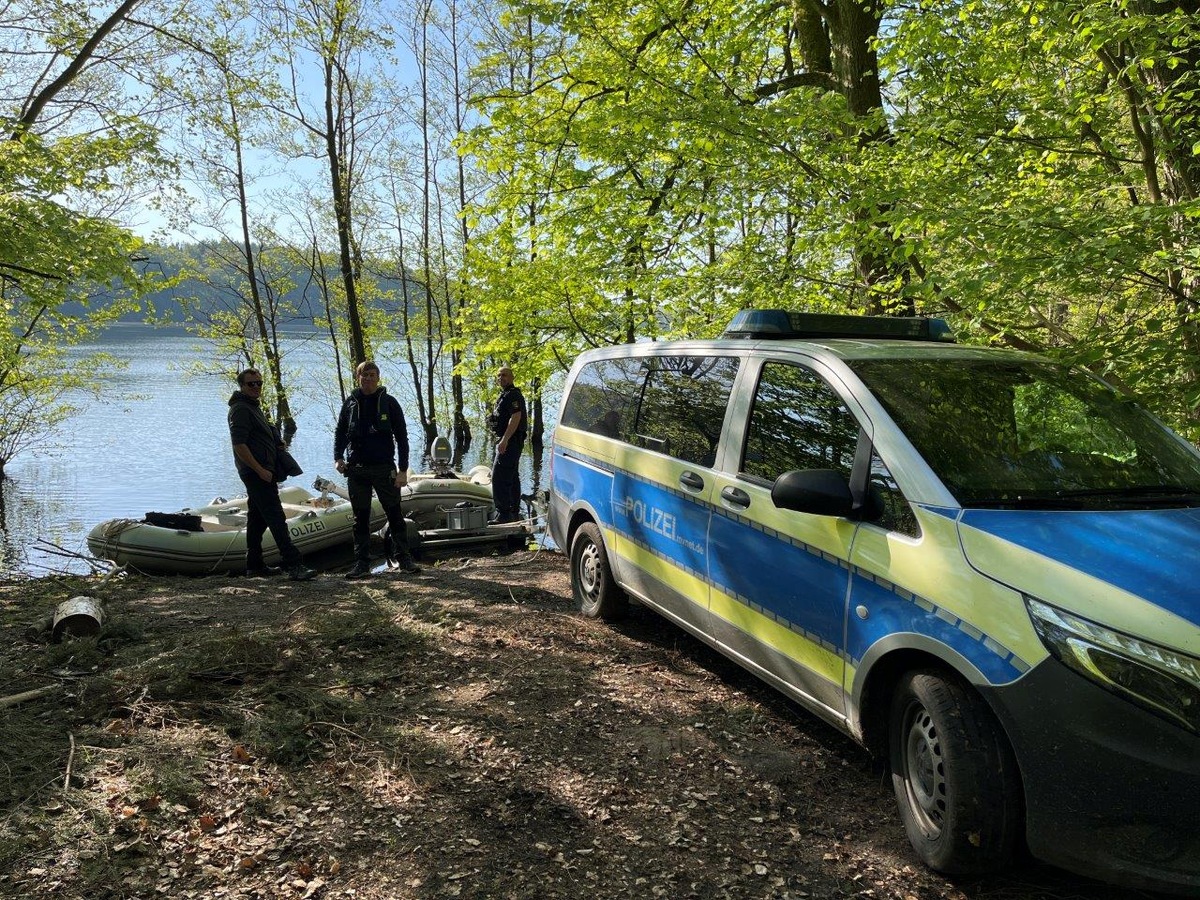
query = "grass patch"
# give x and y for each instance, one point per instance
(33, 751)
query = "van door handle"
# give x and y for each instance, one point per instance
(692, 481)
(735, 497)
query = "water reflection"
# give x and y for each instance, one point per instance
(534, 488)
(33, 528)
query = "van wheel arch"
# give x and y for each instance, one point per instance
(875, 699)
(875, 703)
(578, 517)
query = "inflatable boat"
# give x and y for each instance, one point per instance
(436, 500)
(430, 497)
(211, 540)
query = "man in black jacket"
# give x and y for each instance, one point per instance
(508, 424)
(255, 445)
(371, 426)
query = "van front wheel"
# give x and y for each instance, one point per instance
(954, 775)
(592, 582)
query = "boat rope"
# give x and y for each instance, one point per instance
(232, 537)
(117, 527)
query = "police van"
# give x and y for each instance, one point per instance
(982, 564)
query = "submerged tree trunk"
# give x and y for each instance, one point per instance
(429, 423)
(462, 428)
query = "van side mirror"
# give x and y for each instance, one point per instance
(821, 492)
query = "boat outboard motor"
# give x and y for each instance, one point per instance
(439, 456)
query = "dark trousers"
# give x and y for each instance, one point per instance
(263, 511)
(361, 481)
(506, 480)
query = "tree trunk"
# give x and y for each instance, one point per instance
(838, 38)
(430, 423)
(462, 428)
(410, 350)
(340, 188)
(537, 425)
(286, 421)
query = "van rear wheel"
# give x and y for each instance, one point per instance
(592, 581)
(954, 775)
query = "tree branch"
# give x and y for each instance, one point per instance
(38, 102)
(790, 82)
(25, 271)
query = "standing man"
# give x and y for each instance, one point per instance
(372, 426)
(508, 423)
(255, 444)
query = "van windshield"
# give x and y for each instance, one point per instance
(1032, 434)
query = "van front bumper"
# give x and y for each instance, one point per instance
(1111, 791)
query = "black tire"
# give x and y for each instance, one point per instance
(954, 775)
(592, 581)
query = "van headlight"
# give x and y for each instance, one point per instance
(1165, 682)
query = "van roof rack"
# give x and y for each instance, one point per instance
(781, 324)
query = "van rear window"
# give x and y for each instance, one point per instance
(683, 406)
(604, 397)
(670, 404)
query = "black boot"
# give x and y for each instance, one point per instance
(301, 572)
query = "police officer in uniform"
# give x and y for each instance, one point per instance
(371, 426)
(508, 421)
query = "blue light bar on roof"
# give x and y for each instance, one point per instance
(782, 324)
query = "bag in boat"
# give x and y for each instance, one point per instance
(178, 521)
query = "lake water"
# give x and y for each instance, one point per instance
(158, 441)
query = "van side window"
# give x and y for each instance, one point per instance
(683, 405)
(797, 422)
(897, 513)
(603, 398)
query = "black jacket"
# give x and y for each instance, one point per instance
(249, 425)
(510, 401)
(373, 429)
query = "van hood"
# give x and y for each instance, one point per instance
(1137, 571)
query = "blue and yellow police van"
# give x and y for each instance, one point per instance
(982, 564)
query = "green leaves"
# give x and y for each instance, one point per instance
(1032, 174)
(68, 152)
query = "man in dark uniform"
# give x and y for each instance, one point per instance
(255, 444)
(372, 426)
(508, 421)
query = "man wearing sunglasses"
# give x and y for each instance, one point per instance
(255, 444)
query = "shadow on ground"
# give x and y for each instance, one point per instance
(460, 733)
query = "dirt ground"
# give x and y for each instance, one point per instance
(460, 733)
